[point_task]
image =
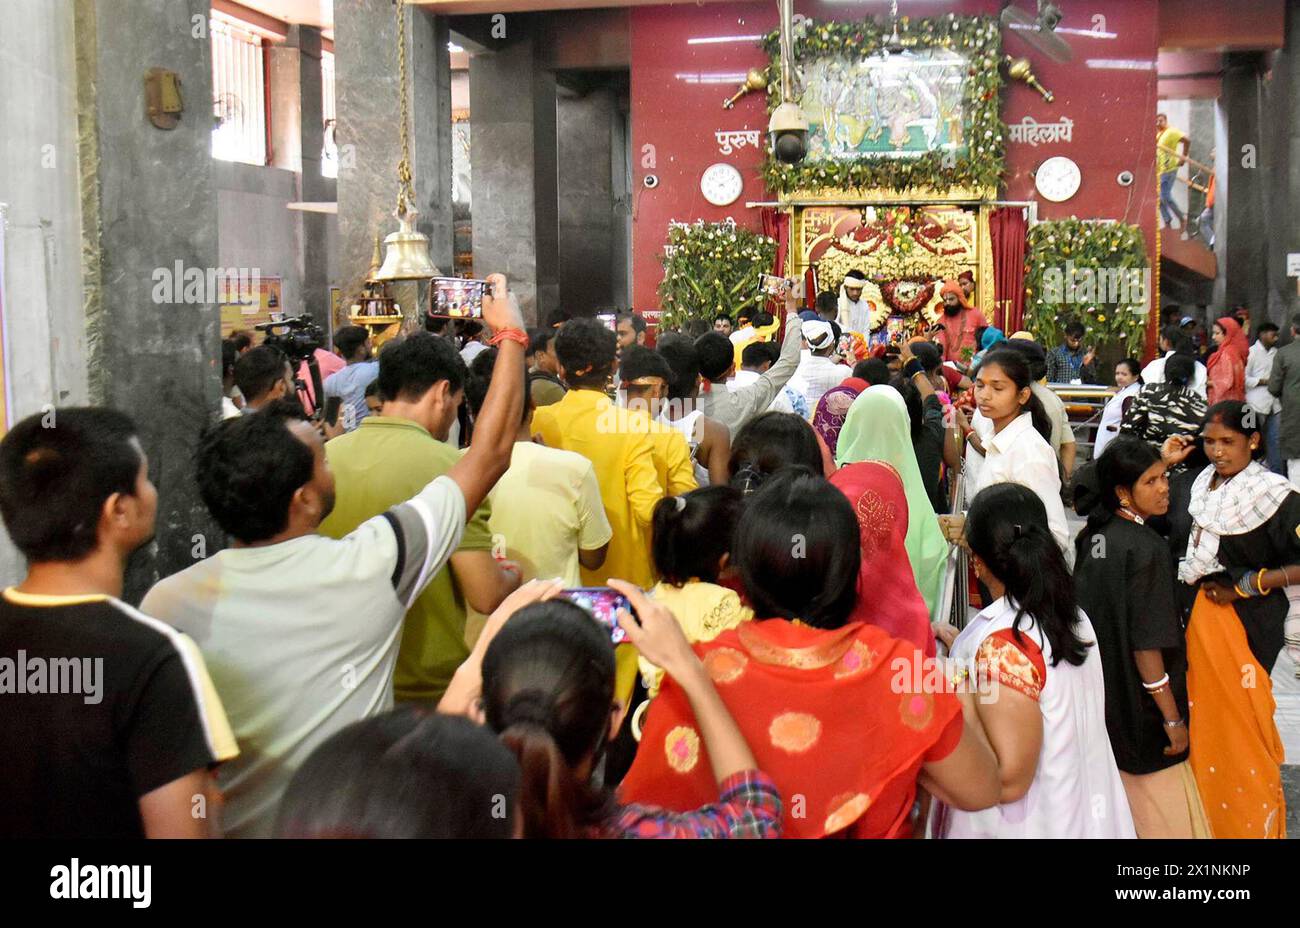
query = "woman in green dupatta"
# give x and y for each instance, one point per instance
(877, 428)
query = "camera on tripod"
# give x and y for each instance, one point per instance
(298, 336)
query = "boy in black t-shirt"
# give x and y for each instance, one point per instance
(109, 725)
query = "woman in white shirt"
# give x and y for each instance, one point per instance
(1128, 378)
(1016, 450)
(1032, 657)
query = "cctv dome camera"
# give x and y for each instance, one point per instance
(787, 132)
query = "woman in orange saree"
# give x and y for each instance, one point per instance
(845, 718)
(1244, 552)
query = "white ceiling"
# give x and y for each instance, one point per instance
(319, 13)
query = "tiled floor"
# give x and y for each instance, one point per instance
(1286, 692)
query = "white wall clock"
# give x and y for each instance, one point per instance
(1058, 178)
(721, 184)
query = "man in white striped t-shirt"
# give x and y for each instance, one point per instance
(301, 631)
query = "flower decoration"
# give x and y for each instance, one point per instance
(712, 268)
(1098, 273)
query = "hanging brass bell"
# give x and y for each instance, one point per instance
(407, 254)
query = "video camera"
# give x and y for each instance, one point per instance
(300, 338)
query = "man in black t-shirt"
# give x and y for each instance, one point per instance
(109, 725)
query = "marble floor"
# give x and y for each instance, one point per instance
(1286, 693)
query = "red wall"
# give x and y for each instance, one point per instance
(676, 107)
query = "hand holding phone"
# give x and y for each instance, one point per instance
(332, 406)
(655, 632)
(458, 297)
(604, 603)
(500, 308)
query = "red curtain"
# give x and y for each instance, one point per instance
(1007, 227)
(776, 224)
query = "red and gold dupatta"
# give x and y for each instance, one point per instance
(839, 719)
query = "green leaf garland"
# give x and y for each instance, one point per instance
(712, 268)
(1097, 273)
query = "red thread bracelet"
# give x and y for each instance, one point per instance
(512, 335)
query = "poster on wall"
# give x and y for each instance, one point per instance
(247, 301)
(899, 106)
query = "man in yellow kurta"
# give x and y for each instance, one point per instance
(644, 376)
(619, 445)
(615, 440)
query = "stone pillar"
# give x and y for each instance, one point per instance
(148, 206)
(586, 201)
(367, 107)
(313, 186)
(1281, 173)
(285, 67)
(1244, 186)
(514, 174)
(45, 350)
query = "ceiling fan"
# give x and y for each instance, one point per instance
(1040, 31)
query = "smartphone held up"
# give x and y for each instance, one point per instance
(457, 297)
(604, 604)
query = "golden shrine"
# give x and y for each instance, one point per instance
(907, 244)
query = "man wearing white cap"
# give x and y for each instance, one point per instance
(854, 310)
(818, 372)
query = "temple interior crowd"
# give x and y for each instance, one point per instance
(728, 581)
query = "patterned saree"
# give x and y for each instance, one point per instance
(842, 720)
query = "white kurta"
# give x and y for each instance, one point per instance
(854, 316)
(1111, 417)
(1077, 791)
(1018, 454)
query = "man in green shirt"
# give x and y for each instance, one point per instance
(385, 461)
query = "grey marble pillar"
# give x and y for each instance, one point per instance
(586, 201)
(1244, 186)
(304, 41)
(367, 108)
(514, 174)
(148, 205)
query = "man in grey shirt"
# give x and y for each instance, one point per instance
(733, 408)
(1285, 384)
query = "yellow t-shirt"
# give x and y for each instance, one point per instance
(545, 508)
(761, 334)
(619, 446)
(1165, 161)
(672, 458)
(703, 610)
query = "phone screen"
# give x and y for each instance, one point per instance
(603, 603)
(457, 297)
(608, 320)
(771, 284)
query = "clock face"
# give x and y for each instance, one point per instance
(1058, 179)
(721, 184)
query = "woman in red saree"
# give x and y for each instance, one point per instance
(1226, 370)
(846, 719)
(887, 598)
